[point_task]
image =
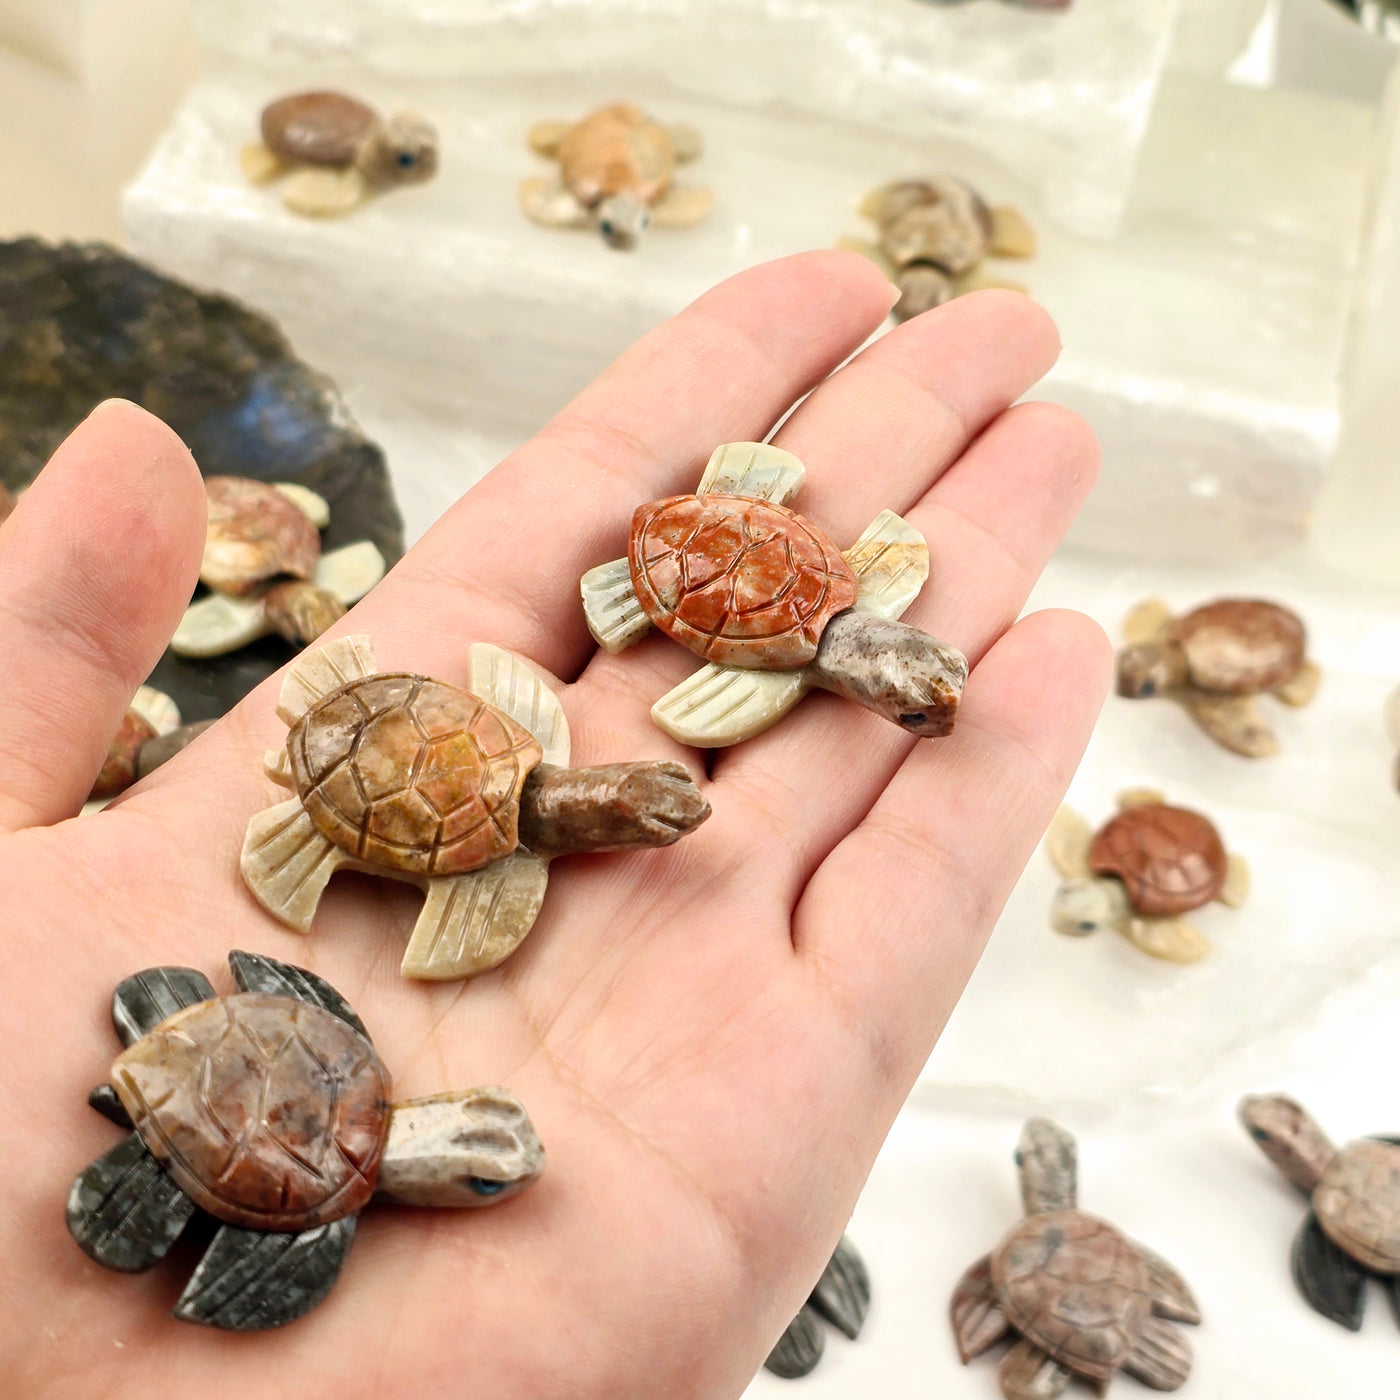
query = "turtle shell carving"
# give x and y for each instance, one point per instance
(1241, 646)
(1076, 1287)
(1358, 1203)
(320, 128)
(1169, 859)
(413, 774)
(737, 580)
(617, 150)
(268, 1112)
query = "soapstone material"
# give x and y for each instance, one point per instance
(400, 775)
(268, 1110)
(82, 323)
(1352, 1231)
(119, 768)
(773, 606)
(841, 1297)
(1080, 1297)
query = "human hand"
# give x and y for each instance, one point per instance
(712, 1039)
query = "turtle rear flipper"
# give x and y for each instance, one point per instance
(325, 193)
(682, 206)
(124, 1211)
(545, 137)
(1172, 940)
(252, 1279)
(1331, 1281)
(1150, 621)
(1234, 722)
(754, 469)
(547, 202)
(1027, 1373)
(978, 1321)
(842, 1294)
(1068, 840)
(611, 607)
(1301, 688)
(252, 972)
(287, 863)
(143, 1000)
(261, 165)
(800, 1347)
(1161, 1356)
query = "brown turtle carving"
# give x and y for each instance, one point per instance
(773, 606)
(466, 793)
(269, 1110)
(1352, 1231)
(1139, 874)
(1083, 1299)
(1216, 661)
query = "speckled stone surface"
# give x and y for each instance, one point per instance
(119, 767)
(80, 323)
(1171, 860)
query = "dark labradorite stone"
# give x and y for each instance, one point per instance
(104, 1099)
(81, 322)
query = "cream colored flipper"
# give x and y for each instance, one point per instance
(156, 708)
(315, 674)
(325, 194)
(682, 206)
(510, 683)
(545, 137)
(1140, 797)
(1148, 622)
(756, 469)
(1235, 890)
(892, 563)
(260, 165)
(687, 140)
(350, 571)
(867, 249)
(1012, 235)
(277, 765)
(314, 507)
(1172, 940)
(1067, 842)
(610, 605)
(547, 202)
(286, 863)
(722, 705)
(472, 922)
(1303, 687)
(1234, 722)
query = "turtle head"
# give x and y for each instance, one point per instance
(1090, 904)
(622, 219)
(472, 1148)
(1288, 1136)
(1151, 668)
(1047, 1160)
(404, 151)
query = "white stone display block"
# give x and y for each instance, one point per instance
(1059, 100)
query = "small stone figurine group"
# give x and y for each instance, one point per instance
(269, 1109)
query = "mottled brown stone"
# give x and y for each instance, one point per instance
(1358, 1203)
(744, 582)
(922, 287)
(318, 128)
(164, 747)
(301, 611)
(617, 150)
(1169, 859)
(269, 1113)
(942, 221)
(1241, 646)
(255, 533)
(119, 768)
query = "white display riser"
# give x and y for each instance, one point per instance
(1203, 345)
(1060, 100)
(94, 41)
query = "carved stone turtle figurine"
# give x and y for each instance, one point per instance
(336, 151)
(773, 607)
(933, 237)
(269, 1110)
(616, 174)
(1352, 1231)
(1151, 864)
(1216, 661)
(841, 1297)
(1083, 1299)
(264, 567)
(465, 793)
(151, 716)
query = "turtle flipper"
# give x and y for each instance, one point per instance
(547, 202)
(545, 137)
(1171, 1298)
(323, 193)
(124, 1211)
(143, 1000)
(892, 563)
(1172, 940)
(1331, 1282)
(754, 469)
(1027, 1373)
(511, 684)
(1234, 722)
(315, 674)
(251, 1279)
(1161, 1356)
(611, 607)
(260, 165)
(1148, 622)
(800, 1347)
(842, 1294)
(219, 624)
(107, 1102)
(978, 1321)
(683, 206)
(351, 571)
(688, 141)
(1068, 840)
(472, 922)
(722, 705)
(287, 863)
(1235, 890)
(1302, 688)
(252, 972)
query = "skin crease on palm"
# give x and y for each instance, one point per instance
(712, 1039)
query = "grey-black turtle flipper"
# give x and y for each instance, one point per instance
(105, 1100)
(1331, 1282)
(800, 1347)
(143, 1000)
(124, 1211)
(842, 1294)
(255, 973)
(253, 1279)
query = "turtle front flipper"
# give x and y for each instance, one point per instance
(1171, 940)
(1238, 879)
(1234, 722)
(800, 1347)
(252, 972)
(323, 193)
(124, 1211)
(260, 164)
(287, 863)
(107, 1102)
(682, 206)
(219, 624)
(842, 1294)
(253, 1279)
(721, 705)
(1027, 1373)
(512, 685)
(613, 611)
(978, 1321)
(757, 470)
(315, 674)
(143, 1000)
(1302, 688)
(1068, 840)
(545, 138)
(1148, 622)
(891, 563)
(472, 922)
(1331, 1281)
(547, 202)
(1160, 1357)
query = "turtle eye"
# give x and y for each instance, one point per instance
(606, 228)
(1087, 925)
(407, 160)
(484, 1186)
(1148, 688)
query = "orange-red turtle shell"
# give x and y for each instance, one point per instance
(1170, 860)
(1076, 1287)
(268, 1112)
(737, 580)
(411, 774)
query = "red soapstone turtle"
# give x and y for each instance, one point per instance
(1169, 859)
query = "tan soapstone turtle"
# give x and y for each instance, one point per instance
(270, 1111)
(464, 793)
(1352, 1231)
(934, 235)
(1217, 661)
(265, 570)
(616, 174)
(773, 607)
(335, 151)
(1141, 872)
(1082, 1299)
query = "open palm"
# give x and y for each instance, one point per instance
(712, 1039)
